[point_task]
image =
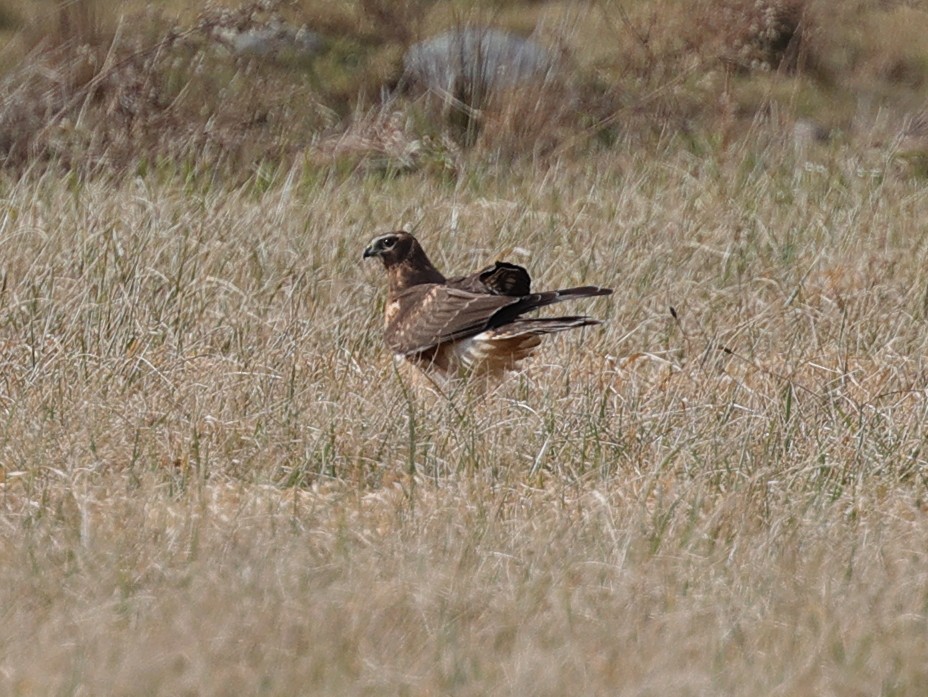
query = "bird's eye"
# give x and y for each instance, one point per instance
(389, 242)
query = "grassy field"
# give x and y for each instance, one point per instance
(213, 480)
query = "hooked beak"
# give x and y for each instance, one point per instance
(370, 252)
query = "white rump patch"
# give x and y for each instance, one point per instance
(492, 352)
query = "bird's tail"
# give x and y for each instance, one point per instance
(499, 350)
(542, 325)
(555, 296)
(539, 300)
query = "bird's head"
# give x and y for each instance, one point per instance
(393, 248)
(404, 259)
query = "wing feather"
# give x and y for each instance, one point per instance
(502, 278)
(434, 313)
(430, 314)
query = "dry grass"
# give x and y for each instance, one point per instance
(91, 87)
(214, 483)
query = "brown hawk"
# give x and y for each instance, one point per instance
(466, 325)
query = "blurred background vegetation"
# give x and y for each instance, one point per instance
(103, 87)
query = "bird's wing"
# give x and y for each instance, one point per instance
(423, 316)
(502, 278)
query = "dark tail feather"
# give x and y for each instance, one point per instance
(530, 302)
(545, 325)
(538, 300)
(580, 292)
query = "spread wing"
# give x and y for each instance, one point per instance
(427, 315)
(502, 278)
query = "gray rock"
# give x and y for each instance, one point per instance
(806, 132)
(271, 40)
(476, 60)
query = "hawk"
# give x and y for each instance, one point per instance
(465, 325)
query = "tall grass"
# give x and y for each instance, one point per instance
(213, 480)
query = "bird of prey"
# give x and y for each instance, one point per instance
(466, 325)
